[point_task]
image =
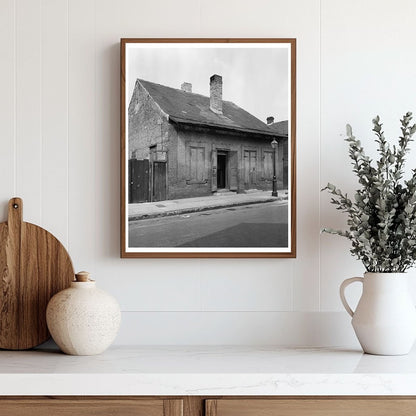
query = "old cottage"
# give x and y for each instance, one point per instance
(182, 144)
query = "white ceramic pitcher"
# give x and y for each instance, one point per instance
(385, 318)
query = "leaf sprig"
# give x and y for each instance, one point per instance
(382, 215)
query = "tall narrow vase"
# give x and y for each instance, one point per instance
(385, 318)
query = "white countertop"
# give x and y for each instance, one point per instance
(179, 370)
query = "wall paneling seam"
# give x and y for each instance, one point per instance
(67, 127)
(319, 152)
(40, 111)
(14, 98)
(95, 139)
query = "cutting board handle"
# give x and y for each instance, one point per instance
(15, 218)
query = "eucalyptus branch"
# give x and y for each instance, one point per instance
(382, 215)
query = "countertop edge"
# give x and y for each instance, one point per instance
(236, 384)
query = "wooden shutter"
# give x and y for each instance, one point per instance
(268, 165)
(214, 170)
(193, 163)
(200, 167)
(233, 166)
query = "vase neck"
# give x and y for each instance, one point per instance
(83, 285)
(385, 281)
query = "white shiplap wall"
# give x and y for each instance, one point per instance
(59, 151)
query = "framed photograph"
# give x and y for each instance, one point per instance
(208, 161)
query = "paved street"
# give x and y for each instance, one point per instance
(257, 225)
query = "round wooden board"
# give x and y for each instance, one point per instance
(34, 266)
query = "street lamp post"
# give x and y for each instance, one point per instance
(274, 182)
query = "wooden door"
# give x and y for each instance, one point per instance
(222, 170)
(159, 181)
(233, 170)
(250, 173)
(312, 407)
(91, 407)
(138, 181)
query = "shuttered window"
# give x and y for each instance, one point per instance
(268, 165)
(197, 164)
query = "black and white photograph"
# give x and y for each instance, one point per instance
(208, 148)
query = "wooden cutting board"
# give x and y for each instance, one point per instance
(34, 266)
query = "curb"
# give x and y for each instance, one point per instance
(200, 209)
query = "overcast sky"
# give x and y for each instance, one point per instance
(254, 79)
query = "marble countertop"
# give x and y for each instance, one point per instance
(232, 370)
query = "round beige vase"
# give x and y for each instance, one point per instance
(82, 319)
(385, 318)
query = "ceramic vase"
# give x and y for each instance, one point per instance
(83, 320)
(385, 318)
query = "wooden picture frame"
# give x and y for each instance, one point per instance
(201, 175)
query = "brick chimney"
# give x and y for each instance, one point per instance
(186, 86)
(215, 98)
(270, 120)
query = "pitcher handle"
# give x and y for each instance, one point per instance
(342, 288)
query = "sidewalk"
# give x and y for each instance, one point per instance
(147, 210)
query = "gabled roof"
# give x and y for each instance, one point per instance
(280, 127)
(194, 109)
